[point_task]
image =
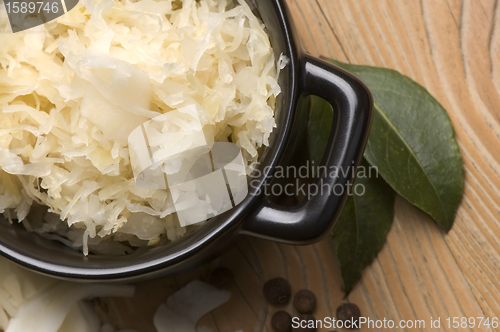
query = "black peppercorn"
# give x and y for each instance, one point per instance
(304, 301)
(277, 291)
(307, 323)
(348, 312)
(221, 278)
(281, 322)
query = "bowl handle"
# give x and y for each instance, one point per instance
(315, 217)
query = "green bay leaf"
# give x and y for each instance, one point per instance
(412, 142)
(361, 230)
(318, 127)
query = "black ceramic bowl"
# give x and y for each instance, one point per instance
(256, 215)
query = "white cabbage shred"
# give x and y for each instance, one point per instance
(187, 306)
(72, 90)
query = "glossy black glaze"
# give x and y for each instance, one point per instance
(353, 104)
(255, 215)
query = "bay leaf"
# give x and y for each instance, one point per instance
(412, 142)
(361, 230)
(318, 127)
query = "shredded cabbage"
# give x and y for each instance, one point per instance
(33, 302)
(47, 311)
(72, 90)
(16, 286)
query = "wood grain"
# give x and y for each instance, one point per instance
(451, 47)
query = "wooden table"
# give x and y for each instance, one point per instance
(452, 47)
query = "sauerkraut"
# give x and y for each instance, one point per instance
(33, 302)
(72, 90)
